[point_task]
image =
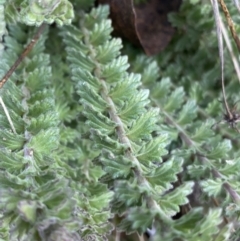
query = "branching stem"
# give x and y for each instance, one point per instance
(189, 142)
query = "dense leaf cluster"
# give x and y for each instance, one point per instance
(107, 142)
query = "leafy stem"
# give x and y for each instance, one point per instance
(189, 142)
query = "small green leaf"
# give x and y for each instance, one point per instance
(220, 150)
(212, 187)
(27, 210)
(171, 201)
(175, 100)
(188, 113)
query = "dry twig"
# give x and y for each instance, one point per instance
(231, 116)
(23, 55)
(230, 23)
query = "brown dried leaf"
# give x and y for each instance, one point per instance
(144, 24)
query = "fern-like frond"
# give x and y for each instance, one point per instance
(35, 195)
(120, 124)
(192, 136)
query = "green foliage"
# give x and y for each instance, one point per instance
(120, 126)
(35, 12)
(109, 141)
(2, 25)
(32, 193)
